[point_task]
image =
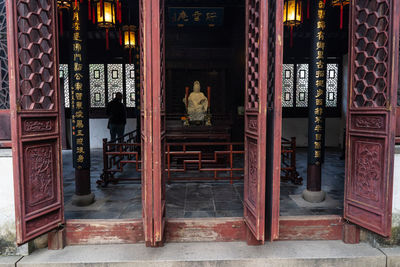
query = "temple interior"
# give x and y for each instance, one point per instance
(207, 125)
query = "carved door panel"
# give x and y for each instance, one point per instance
(256, 116)
(153, 118)
(374, 35)
(35, 112)
(274, 117)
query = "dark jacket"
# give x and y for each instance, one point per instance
(116, 112)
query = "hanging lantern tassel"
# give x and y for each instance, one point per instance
(341, 16)
(120, 12)
(61, 23)
(120, 37)
(89, 10)
(94, 15)
(107, 41)
(291, 36)
(130, 55)
(308, 9)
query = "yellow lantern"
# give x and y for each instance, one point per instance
(292, 12)
(340, 2)
(64, 4)
(129, 36)
(106, 13)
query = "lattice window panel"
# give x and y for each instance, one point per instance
(371, 53)
(302, 85)
(64, 74)
(287, 85)
(130, 85)
(332, 72)
(253, 54)
(35, 53)
(114, 80)
(4, 85)
(97, 86)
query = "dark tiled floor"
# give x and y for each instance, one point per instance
(194, 200)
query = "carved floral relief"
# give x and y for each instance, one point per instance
(368, 170)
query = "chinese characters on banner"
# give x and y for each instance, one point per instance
(79, 97)
(196, 16)
(317, 94)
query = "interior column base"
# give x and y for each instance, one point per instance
(314, 196)
(84, 200)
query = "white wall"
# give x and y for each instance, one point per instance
(396, 182)
(7, 208)
(298, 127)
(98, 130)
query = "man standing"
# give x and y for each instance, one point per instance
(116, 113)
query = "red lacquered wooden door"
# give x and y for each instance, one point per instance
(35, 116)
(373, 81)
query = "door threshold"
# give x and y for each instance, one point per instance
(223, 229)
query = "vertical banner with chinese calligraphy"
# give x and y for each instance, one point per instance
(137, 91)
(80, 102)
(316, 98)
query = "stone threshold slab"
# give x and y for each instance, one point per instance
(9, 261)
(280, 253)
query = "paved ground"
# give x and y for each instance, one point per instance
(232, 254)
(203, 199)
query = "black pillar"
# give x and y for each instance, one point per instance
(80, 104)
(316, 102)
(137, 91)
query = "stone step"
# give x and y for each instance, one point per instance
(282, 253)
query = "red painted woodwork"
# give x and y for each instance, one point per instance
(153, 118)
(146, 116)
(324, 227)
(373, 81)
(35, 124)
(274, 117)
(351, 233)
(159, 115)
(95, 232)
(98, 232)
(255, 116)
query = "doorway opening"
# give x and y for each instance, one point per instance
(205, 130)
(115, 178)
(296, 113)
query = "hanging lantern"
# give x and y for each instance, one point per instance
(340, 3)
(63, 4)
(292, 15)
(129, 39)
(105, 13)
(129, 36)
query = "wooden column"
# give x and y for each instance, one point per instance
(316, 102)
(80, 104)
